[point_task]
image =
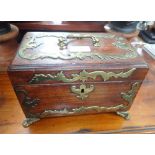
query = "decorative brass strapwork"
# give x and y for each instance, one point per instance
(119, 109)
(28, 102)
(65, 112)
(27, 49)
(83, 91)
(82, 76)
(82, 109)
(63, 40)
(130, 95)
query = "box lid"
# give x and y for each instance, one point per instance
(63, 50)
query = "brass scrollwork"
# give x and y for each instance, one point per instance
(82, 76)
(31, 43)
(82, 109)
(28, 102)
(62, 43)
(129, 95)
(119, 109)
(65, 111)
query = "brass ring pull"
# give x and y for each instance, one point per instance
(62, 41)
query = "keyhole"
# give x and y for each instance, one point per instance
(82, 90)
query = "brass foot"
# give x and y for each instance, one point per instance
(29, 121)
(123, 114)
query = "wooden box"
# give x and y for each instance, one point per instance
(61, 74)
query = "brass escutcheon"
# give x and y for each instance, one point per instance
(83, 91)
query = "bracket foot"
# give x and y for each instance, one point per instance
(124, 114)
(28, 121)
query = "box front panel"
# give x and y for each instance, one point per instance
(70, 99)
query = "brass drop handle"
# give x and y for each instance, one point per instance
(62, 41)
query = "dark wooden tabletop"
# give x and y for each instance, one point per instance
(68, 26)
(62, 26)
(142, 112)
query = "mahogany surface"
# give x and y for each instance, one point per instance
(62, 26)
(7, 53)
(39, 44)
(78, 26)
(142, 111)
(58, 96)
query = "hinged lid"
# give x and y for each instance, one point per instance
(64, 50)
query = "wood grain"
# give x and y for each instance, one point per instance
(11, 115)
(62, 26)
(142, 112)
(59, 96)
(7, 53)
(71, 26)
